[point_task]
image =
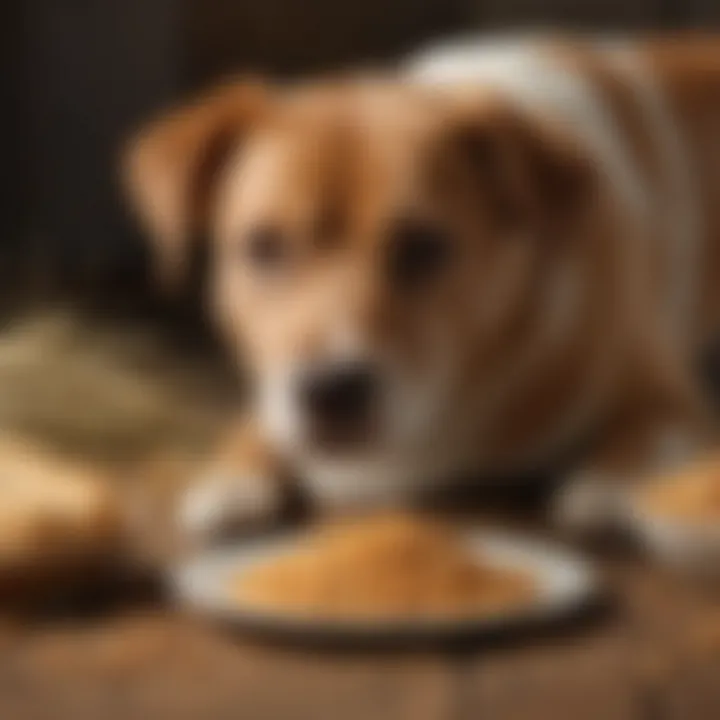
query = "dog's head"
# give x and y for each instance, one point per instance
(375, 246)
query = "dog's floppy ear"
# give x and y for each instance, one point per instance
(533, 174)
(171, 167)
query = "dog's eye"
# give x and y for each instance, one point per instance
(265, 248)
(417, 251)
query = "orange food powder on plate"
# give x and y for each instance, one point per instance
(390, 565)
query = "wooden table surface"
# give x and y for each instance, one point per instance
(654, 652)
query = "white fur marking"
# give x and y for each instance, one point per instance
(220, 500)
(681, 214)
(544, 86)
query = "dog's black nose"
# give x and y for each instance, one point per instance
(342, 394)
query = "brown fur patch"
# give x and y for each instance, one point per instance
(334, 167)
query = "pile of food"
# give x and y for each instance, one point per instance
(692, 494)
(387, 566)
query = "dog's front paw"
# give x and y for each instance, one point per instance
(223, 502)
(590, 503)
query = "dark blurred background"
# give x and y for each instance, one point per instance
(79, 74)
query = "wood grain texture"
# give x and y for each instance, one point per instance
(637, 661)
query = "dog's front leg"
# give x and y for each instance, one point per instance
(644, 440)
(245, 485)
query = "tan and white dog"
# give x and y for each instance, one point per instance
(470, 265)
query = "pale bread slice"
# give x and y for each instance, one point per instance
(54, 513)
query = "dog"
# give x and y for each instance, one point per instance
(495, 252)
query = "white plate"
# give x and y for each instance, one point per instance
(565, 584)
